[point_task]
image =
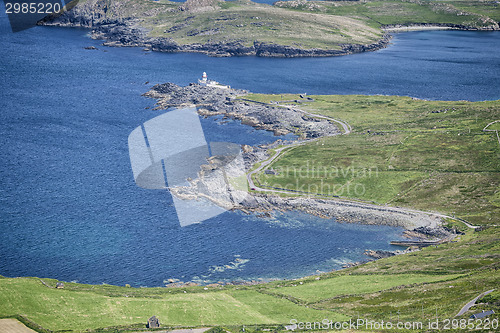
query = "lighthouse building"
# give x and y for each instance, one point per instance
(204, 81)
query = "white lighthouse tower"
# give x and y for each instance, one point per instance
(210, 83)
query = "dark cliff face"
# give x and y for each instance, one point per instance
(86, 14)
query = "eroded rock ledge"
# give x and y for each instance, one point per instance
(344, 211)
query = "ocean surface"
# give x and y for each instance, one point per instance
(70, 208)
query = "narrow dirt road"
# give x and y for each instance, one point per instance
(470, 304)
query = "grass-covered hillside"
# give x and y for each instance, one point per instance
(248, 22)
(428, 155)
(436, 281)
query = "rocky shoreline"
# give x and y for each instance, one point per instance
(129, 33)
(436, 26)
(122, 34)
(371, 254)
(343, 211)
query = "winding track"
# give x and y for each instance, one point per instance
(485, 129)
(347, 129)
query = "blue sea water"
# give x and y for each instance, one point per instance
(70, 208)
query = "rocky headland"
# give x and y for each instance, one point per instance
(128, 32)
(126, 28)
(230, 103)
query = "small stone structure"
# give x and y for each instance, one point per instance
(153, 322)
(270, 172)
(482, 314)
(59, 285)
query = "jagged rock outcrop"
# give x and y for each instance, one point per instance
(427, 233)
(197, 6)
(380, 254)
(85, 14)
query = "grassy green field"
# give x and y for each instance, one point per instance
(476, 256)
(489, 9)
(356, 284)
(80, 307)
(429, 155)
(417, 286)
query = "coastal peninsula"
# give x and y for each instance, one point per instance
(312, 174)
(285, 29)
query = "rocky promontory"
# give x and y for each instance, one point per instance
(230, 103)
